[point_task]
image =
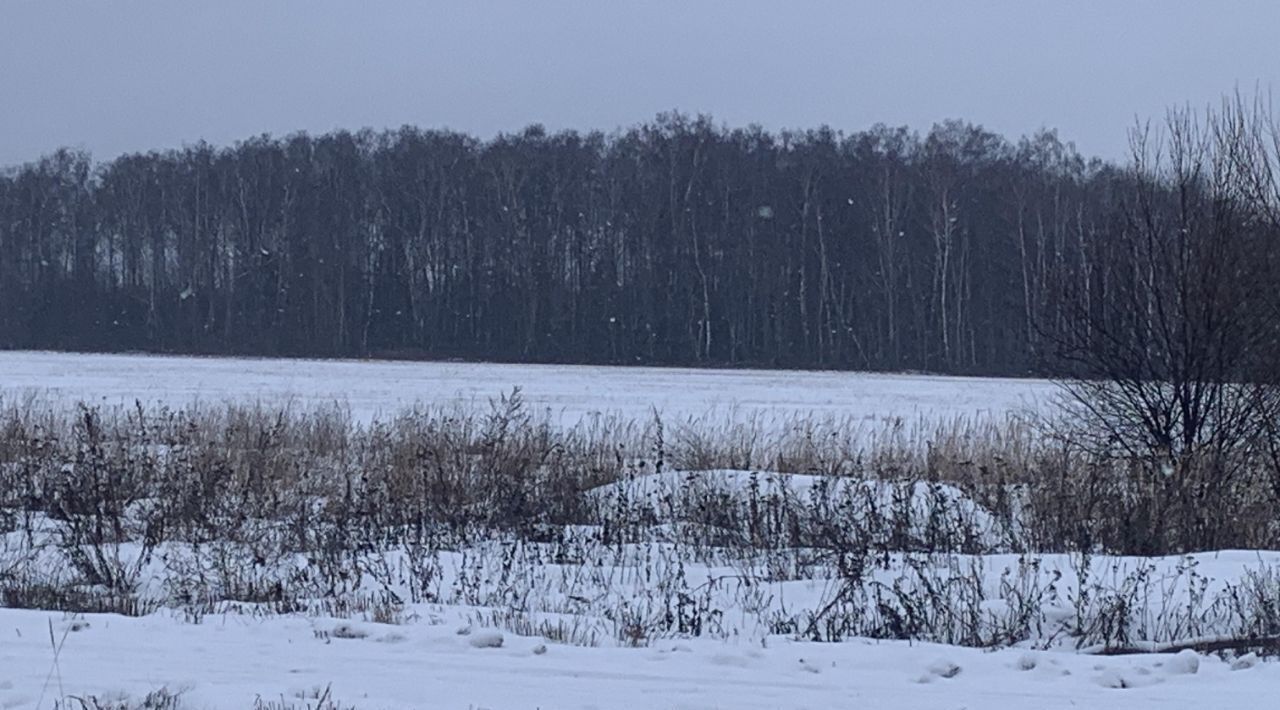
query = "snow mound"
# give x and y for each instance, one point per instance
(944, 669)
(918, 511)
(1245, 662)
(348, 631)
(485, 638)
(1111, 678)
(1184, 662)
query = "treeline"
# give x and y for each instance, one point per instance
(674, 242)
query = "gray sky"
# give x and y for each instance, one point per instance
(125, 76)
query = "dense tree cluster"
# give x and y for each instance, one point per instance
(674, 242)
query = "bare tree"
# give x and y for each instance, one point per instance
(1174, 358)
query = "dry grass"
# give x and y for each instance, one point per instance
(221, 474)
(280, 511)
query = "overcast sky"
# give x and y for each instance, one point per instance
(114, 77)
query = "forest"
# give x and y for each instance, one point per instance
(675, 242)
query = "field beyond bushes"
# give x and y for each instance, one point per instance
(985, 533)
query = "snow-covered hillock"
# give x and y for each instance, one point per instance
(784, 509)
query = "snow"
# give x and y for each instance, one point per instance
(484, 638)
(1245, 662)
(567, 393)
(663, 496)
(1184, 662)
(480, 643)
(455, 652)
(229, 661)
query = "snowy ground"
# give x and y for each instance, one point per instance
(449, 655)
(568, 393)
(229, 661)
(439, 655)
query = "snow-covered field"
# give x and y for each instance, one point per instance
(230, 661)
(488, 619)
(567, 393)
(512, 624)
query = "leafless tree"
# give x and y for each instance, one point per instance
(1174, 347)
